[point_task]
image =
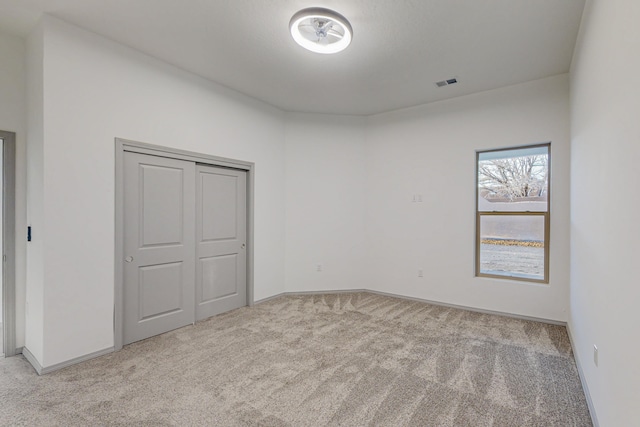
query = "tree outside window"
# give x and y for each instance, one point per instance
(512, 216)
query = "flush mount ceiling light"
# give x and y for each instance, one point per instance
(321, 30)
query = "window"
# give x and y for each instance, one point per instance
(512, 213)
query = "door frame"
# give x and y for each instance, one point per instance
(125, 145)
(9, 242)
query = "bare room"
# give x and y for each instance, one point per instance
(288, 213)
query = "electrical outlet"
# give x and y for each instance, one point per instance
(595, 354)
(318, 267)
(420, 273)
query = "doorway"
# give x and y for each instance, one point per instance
(174, 264)
(7, 262)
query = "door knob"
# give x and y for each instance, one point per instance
(243, 246)
(128, 259)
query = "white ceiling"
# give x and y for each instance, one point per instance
(400, 47)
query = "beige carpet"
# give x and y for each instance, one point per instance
(340, 359)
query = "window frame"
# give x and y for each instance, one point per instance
(546, 214)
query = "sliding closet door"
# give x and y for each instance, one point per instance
(221, 233)
(159, 245)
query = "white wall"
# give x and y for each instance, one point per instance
(605, 130)
(326, 189)
(13, 119)
(430, 151)
(351, 181)
(96, 90)
(34, 309)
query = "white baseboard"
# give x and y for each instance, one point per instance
(474, 309)
(42, 371)
(260, 301)
(443, 304)
(32, 359)
(583, 381)
(330, 291)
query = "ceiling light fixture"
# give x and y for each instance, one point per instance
(321, 30)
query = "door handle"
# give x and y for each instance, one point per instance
(243, 246)
(128, 259)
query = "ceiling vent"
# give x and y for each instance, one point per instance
(447, 82)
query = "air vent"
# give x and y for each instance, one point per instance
(447, 82)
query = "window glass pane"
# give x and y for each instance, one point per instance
(513, 180)
(512, 245)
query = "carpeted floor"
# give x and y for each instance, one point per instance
(337, 359)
